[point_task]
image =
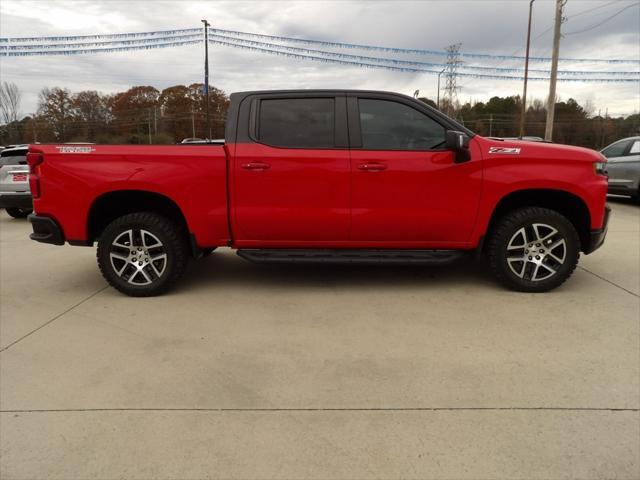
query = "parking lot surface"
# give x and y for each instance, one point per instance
(248, 371)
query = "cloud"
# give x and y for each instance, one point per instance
(481, 26)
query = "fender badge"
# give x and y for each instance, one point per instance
(72, 149)
(505, 150)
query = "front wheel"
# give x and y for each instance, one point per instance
(533, 249)
(142, 254)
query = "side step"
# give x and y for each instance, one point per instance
(395, 257)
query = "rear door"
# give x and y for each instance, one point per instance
(406, 188)
(291, 175)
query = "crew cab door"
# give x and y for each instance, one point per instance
(291, 171)
(406, 188)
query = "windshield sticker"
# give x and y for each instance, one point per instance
(505, 150)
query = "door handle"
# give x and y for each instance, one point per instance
(372, 167)
(256, 166)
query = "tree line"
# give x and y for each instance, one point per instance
(144, 114)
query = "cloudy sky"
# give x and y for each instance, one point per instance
(497, 27)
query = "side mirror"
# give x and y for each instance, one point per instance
(459, 143)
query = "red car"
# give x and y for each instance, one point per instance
(325, 176)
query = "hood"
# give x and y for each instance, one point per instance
(496, 148)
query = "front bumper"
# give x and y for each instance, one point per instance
(16, 200)
(596, 237)
(46, 230)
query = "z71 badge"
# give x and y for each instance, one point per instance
(72, 149)
(505, 150)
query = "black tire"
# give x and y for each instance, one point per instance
(128, 274)
(19, 212)
(524, 225)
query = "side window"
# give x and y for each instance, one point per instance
(616, 150)
(635, 148)
(297, 122)
(388, 125)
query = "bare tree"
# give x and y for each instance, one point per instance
(10, 96)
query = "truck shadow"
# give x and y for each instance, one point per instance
(226, 268)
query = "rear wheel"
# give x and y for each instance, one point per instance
(142, 254)
(19, 212)
(533, 249)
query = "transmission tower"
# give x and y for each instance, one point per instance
(451, 76)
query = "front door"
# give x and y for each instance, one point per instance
(406, 189)
(291, 182)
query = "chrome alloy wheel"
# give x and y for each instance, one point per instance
(536, 252)
(138, 256)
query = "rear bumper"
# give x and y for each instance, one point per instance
(46, 230)
(596, 238)
(16, 200)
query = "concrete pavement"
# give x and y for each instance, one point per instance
(249, 371)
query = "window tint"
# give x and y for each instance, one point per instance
(297, 122)
(635, 148)
(616, 150)
(388, 125)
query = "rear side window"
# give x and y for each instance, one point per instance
(635, 148)
(297, 122)
(388, 125)
(616, 150)
(15, 157)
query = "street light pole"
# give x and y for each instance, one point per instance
(438, 96)
(206, 76)
(526, 73)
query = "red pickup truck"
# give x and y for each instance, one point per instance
(325, 176)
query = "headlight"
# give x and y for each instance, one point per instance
(600, 168)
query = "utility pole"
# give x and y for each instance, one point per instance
(526, 73)
(155, 122)
(149, 125)
(491, 124)
(206, 76)
(551, 101)
(193, 123)
(438, 96)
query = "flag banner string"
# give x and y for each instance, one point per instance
(414, 50)
(412, 69)
(416, 63)
(106, 36)
(72, 38)
(102, 50)
(57, 46)
(44, 50)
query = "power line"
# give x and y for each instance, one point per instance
(603, 21)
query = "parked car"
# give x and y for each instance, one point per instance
(325, 176)
(623, 166)
(15, 196)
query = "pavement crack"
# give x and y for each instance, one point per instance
(336, 409)
(54, 318)
(609, 281)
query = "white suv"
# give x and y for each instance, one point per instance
(15, 196)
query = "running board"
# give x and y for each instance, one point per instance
(395, 257)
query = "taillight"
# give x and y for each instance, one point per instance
(34, 160)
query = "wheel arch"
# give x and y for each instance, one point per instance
(107, 207)
(566, 203)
